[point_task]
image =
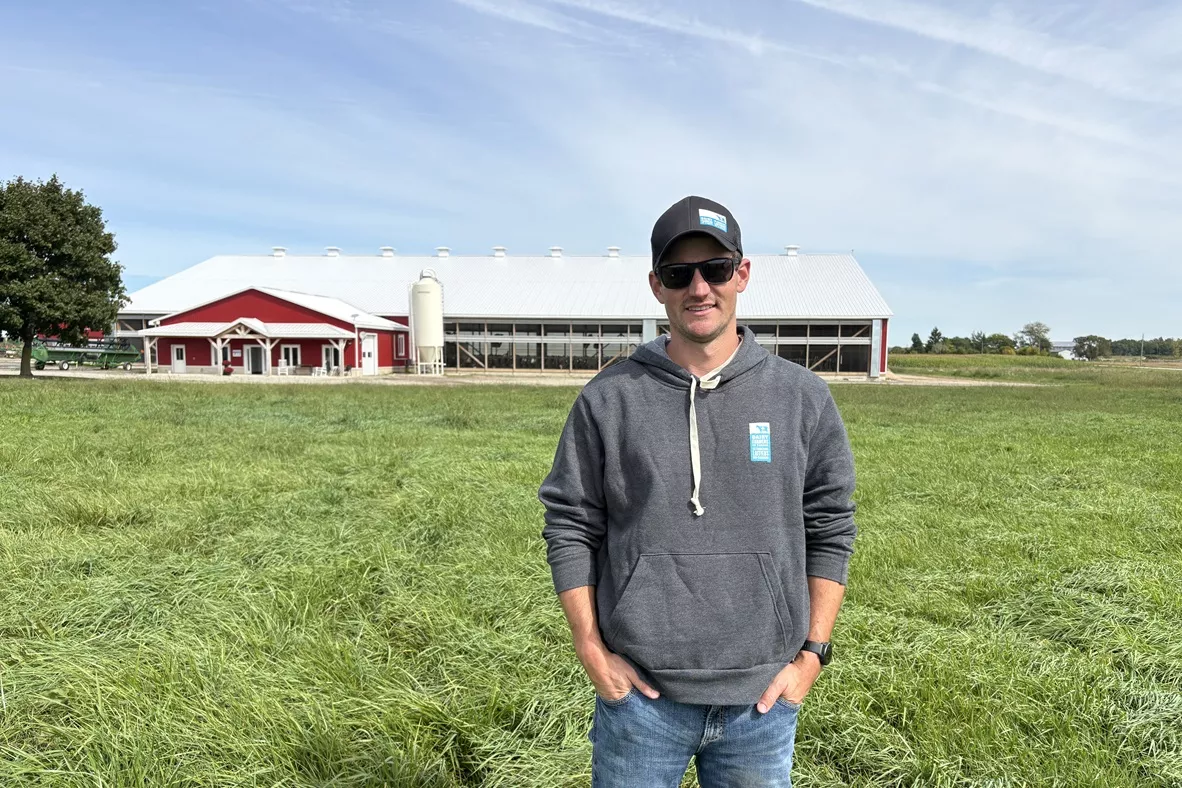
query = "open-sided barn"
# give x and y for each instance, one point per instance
(552, 312)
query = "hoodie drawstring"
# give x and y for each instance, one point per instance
(708, 382)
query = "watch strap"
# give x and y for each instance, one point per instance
(824, 651)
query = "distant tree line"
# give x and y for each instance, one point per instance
(1034, 340)
(1153, 347)
(1093, 347)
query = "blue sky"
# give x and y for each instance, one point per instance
(989, 164)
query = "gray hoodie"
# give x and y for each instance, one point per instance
(698, 507)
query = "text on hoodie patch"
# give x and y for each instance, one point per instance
(761, 441)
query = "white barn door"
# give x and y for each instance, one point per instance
(178, 359)
(369, 354)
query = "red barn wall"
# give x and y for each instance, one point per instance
(385, 348)
(196, 351)
(258, 305)
(883, 360)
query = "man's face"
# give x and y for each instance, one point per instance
(701, 312)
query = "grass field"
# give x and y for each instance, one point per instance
(298, 585)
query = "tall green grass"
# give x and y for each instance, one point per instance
(255, 585)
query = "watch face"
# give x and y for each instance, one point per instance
(824, 651)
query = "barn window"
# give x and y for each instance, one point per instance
(855, 358)
(402, 345)
(290, 354)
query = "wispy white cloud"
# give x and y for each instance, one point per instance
(1114, 72)
(1098, 129)
(526, 122)
(533, 15)
(671, 21)
(666, 19)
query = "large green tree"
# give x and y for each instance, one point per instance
(56, 272)
(996, 343)
(1036, 335)
(1092, 347)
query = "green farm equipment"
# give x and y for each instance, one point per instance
(99, 353)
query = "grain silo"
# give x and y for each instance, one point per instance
(426, 323)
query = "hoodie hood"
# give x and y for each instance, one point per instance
(655, 358)
(653, 355)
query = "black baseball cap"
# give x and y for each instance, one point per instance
(695, 215)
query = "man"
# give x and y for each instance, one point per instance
(699, 529)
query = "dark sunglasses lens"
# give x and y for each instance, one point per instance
(676, 277)
(718, 273)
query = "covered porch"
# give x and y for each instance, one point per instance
(248, 346)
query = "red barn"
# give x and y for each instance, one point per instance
(263, 331)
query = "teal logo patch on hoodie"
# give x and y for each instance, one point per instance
(760, 433)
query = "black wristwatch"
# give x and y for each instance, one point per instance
(824, 651)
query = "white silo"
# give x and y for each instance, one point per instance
(426, 323)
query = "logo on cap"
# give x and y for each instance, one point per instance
(712, 219)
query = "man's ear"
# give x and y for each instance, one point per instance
(743, 274)
(655, 284)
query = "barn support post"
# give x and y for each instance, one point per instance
(468, 353)
(149, 344)
(824, 358)
(876, 349)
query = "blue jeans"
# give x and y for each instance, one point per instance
(643, 743)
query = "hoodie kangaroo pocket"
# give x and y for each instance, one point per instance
(711, 611)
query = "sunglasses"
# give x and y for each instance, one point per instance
(717, 271)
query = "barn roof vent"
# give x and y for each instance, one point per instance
(498, 251)
(388, 251)
(791, 250)
(442, 251)
(556, 251)
(332, 251)
(613, 251)
(278, 251)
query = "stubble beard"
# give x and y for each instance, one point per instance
(699, 339)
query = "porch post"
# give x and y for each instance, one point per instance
(340, 345)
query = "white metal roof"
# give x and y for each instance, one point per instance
(272, 330)
(795, 287)
(332, 307)
(185, 330)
